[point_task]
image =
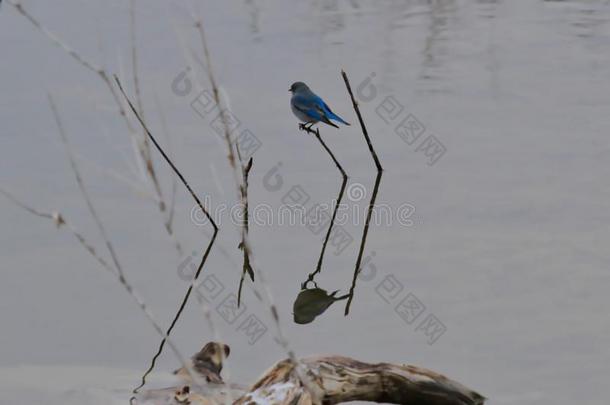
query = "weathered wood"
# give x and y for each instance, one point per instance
(331, 380)
(339, 379)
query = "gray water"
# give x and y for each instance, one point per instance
(506, 249)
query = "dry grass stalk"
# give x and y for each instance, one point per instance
(61, 222)
(207, 250)
(143, 149)
(280, 338)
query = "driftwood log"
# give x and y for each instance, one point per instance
(328, 380)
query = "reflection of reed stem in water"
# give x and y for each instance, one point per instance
(205, 254)
(373, 195)
(363, 241)
(338, 203)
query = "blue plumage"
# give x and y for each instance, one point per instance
(309, 108)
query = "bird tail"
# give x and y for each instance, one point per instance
(329, 114)
(337, 118)
(325, 120)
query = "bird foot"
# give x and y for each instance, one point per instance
(307, 127)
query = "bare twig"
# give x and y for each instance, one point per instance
(59, 221)
(134, 58)
(206, 252)
(362, 126)
(119, 269)
(373, 195)
(216, 93)
(75, 55)
(101, 72)
(54, 216)
(84, 192)
(145, 149)
(134, 185)
(318, 269)
(280, 338)
(357, 269)
(241, 184)
(169, 221)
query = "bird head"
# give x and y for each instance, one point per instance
(298, 86)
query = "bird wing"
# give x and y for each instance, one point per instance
(312, 107)
(330, 114)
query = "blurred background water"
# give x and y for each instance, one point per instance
(508, 242)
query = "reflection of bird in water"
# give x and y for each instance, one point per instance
(313, 302)
(208, 362)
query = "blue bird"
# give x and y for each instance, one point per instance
(311, 109)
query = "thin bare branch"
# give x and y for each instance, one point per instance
(58, 42)
(135, 186)
(29, 209)
(215, 92)
(60, 221)
(365, 232)
(280, 338)
(83, 190)
(169, 221)
(206, 252)
(240, 184)
(316, 133)
(362, 126)
(373, 195)
(146, 155)
(143, 148)
(134, 58)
